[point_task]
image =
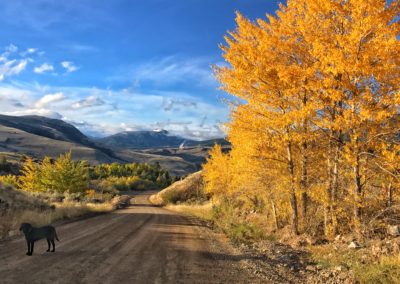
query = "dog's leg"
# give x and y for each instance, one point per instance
(48, 245)
(54, 246)
(28, 243)
(32, 245)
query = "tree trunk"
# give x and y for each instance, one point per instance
(327, 208)
(304, 163)
(304, 180)
(390, 195)
(274, 215)
(357, 196)
(330, 218)
(335, 186)
(293, 198)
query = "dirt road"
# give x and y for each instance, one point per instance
(139, 244)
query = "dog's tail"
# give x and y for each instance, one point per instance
(55, 234)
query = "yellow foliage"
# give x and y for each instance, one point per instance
(318, 120)
(9, 180)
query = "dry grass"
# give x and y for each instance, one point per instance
(202, 211)
(366, 269)
(386, 270)
(156, 200)
(191, 190)
(17, 207)
(10, 221)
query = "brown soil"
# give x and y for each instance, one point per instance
(139, 244)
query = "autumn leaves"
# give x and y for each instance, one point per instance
(317, 133)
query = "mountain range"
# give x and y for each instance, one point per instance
(153, 139)
(39, 136)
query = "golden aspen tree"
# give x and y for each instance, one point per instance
(357, 53)
(267, 75)
(216, 172)
(30, 178)
(318, 84)
(68, 175)
(47, 177)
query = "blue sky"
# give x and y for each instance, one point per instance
(111, 66)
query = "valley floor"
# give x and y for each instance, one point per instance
(140, 244)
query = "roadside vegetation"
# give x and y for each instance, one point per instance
(43, 191)
(186, 196)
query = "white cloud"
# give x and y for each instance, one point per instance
(36, 111)
(48, 99)
(28, 51)
(45, 67)
(69, 66)
(12, 67)
(90, 101)
(11, 48)
(169, 71)
(8, 92)
(19, 67)
(170, 104)
(172, 70)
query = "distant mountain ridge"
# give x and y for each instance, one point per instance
(153, 139)
(51, 128)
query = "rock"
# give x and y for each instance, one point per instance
(311, 268)
(395, 247)
(327, 274)
(364, 259)
(338, 268)
(376, 250)
(343, 276)
(385, 250)
(354, 245)
(11, 233)
(393, 230)
(121, 201)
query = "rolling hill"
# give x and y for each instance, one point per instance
(14, 140)
(42, 126)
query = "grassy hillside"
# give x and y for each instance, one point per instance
(14, 140)
(46, 127)
(189, 189)
(174, 164)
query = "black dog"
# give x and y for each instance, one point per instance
(33, 234)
